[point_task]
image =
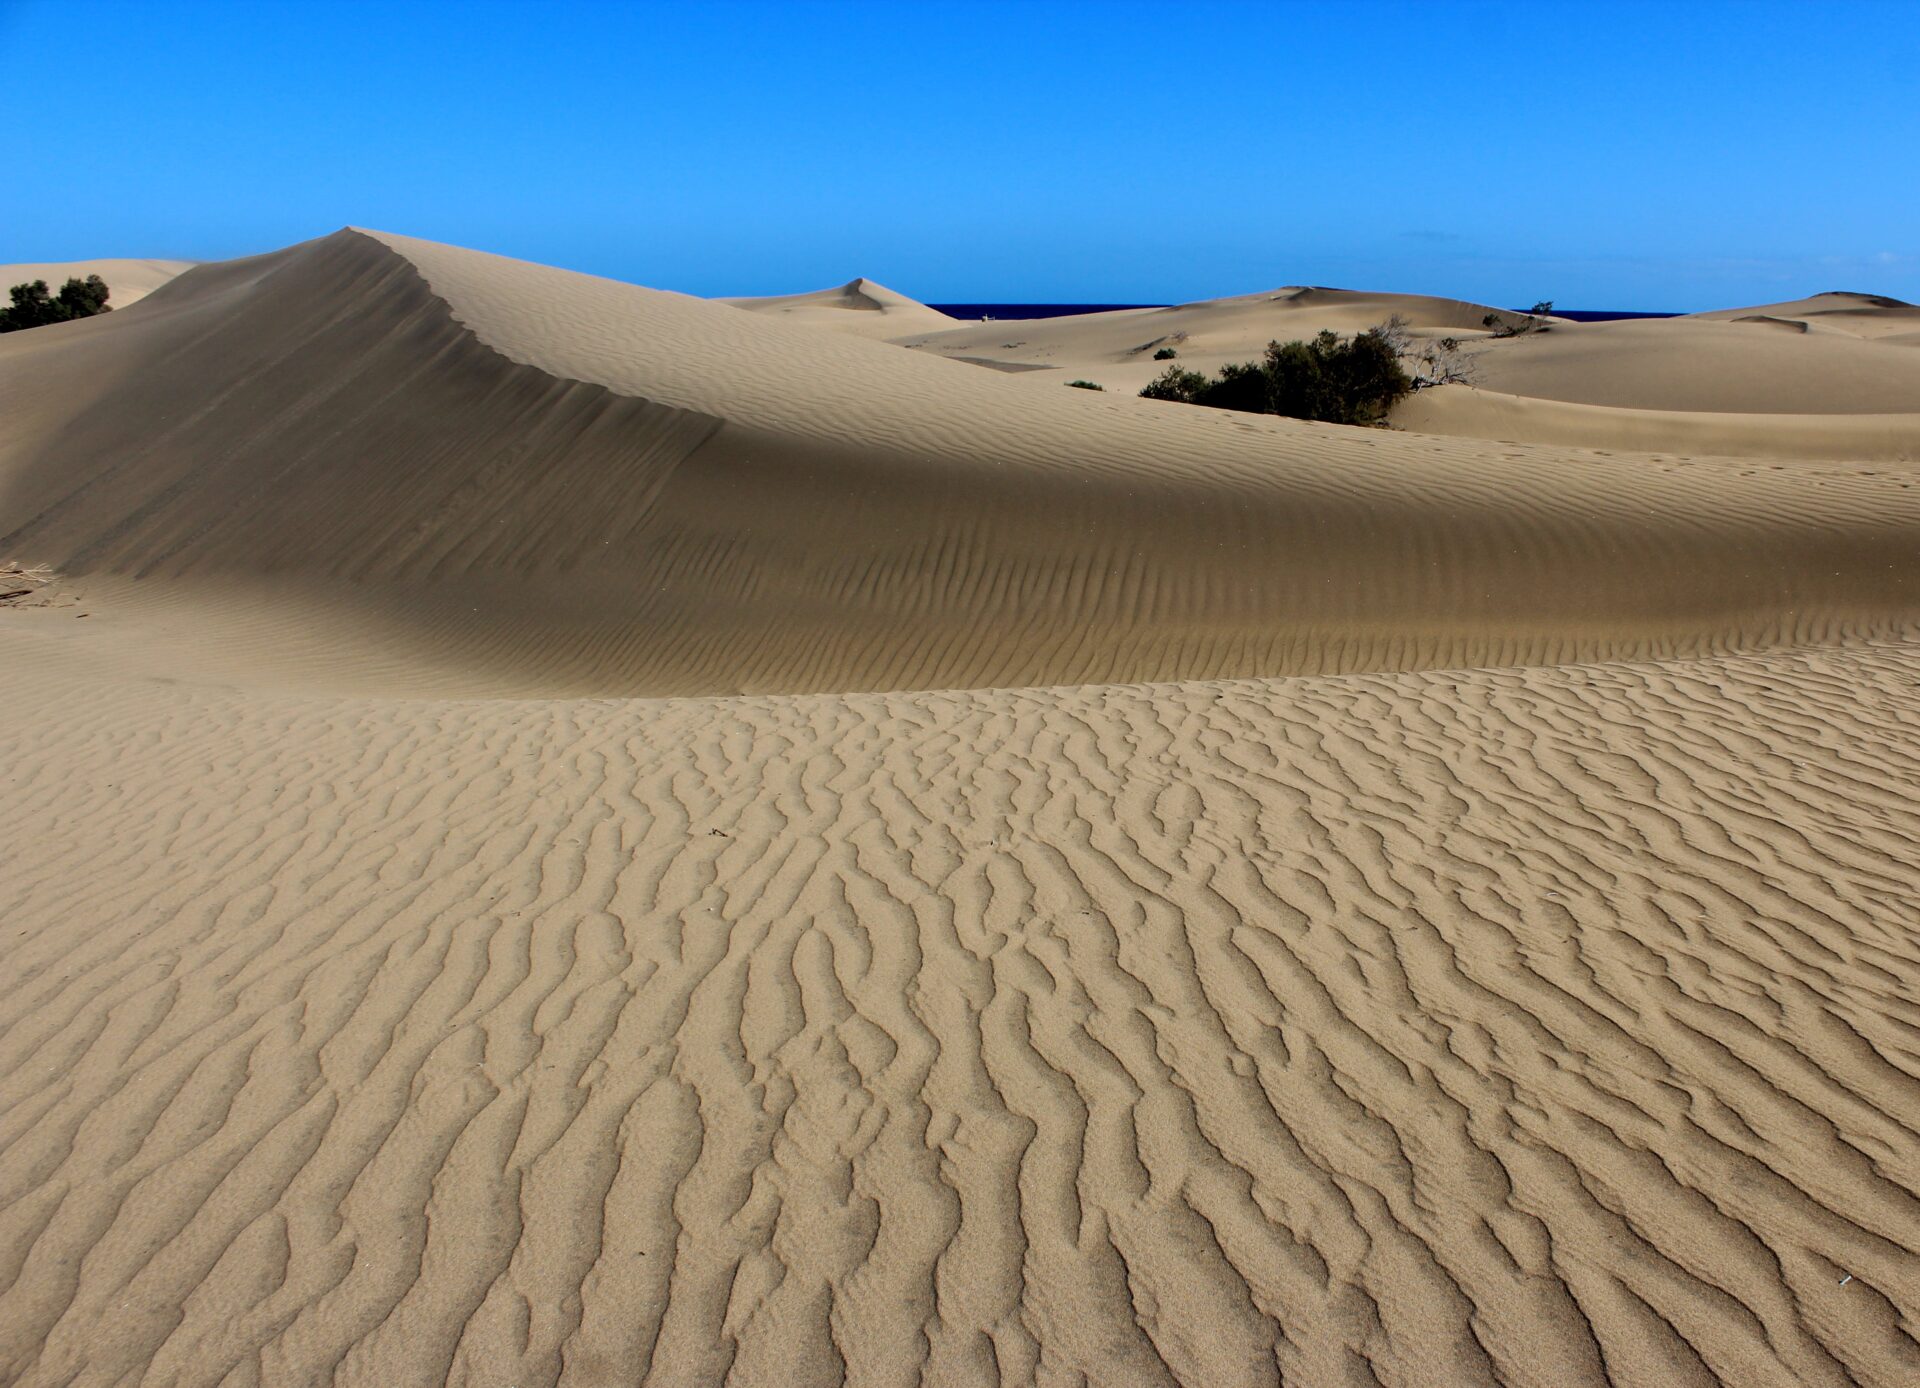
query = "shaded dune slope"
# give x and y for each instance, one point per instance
(537, 481)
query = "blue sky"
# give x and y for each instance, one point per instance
(1682, 155)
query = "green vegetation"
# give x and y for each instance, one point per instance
(34, 306)
(1353, 380)
(1086, 385)
(1165, 354)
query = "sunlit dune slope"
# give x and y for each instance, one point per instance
(1552, 1028)
(530, 480)
(1399, 1026)
(859, 306)
(1861, 315)
(1753, 363)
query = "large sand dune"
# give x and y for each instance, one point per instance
(533, 481)
(1083, 924)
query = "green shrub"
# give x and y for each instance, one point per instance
(1352, 381)
(1177, 383)
(1086, 385)
(33, 306)
(1165, 354)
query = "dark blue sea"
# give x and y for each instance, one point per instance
(1029, 310)
(976, 311)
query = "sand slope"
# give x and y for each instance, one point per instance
(1404, 1025)
(531, 481)
(1771, 377)
(1754, 363)
(128, 281)
(1545, 1028)
(1860, 315)
(859, 306)
(1116, 348)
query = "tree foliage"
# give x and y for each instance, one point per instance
(1335, 380)
(34, 306)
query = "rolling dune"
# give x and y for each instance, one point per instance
(1756, 382)
(559, 833)
(543, 483)
(859, 306)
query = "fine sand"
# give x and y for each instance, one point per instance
(128, 281)
(1834, 376)
(562, 833)
(859, 306)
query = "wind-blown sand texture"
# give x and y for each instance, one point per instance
(1075, 920)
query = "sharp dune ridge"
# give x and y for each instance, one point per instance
(590, 836)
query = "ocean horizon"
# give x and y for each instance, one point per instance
(1012, 311)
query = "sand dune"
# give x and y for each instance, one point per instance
(394, 998)
(1116, 348)
(1771, 376)
(128, 281)
(532, 481)
(1861, 315)
(859, 306)
(1471, 412)
(1742, 365)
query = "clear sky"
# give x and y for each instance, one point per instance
(1679, 155)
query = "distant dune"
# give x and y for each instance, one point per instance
(859, 306)
(560, 833)
(128, 281)
(1732, 382)
(539, 482)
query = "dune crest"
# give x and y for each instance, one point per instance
(540, 482)
(859, 306)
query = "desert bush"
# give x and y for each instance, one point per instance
(1086, 385)
(1534, 321)
(1354, 380)
(1176, 383)
(1165, 354)
(33, 306)
(1444, 362)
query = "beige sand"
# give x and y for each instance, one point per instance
(128, 281)
(1760, 382)
(1358, 1019)
(859, 306)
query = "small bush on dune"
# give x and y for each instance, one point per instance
(1336, 381)
(33, 306)
(1086, 385)
(1165, 354)
(1535, 321)
(1176, 383)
